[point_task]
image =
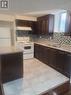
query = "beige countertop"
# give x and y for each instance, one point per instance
(54, 45)
(7, 50)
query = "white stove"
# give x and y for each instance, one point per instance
(27, 47)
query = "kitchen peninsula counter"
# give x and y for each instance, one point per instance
(8, 50)
(11, 64)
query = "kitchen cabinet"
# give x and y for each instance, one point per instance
(52, 57)
(67, 64)
(44, 54)
(63, 62)
(36, 51)
(34, 27)
(11, 65)
(39, 52)
(57, 59)
(60, 56)
(45, 24)
(26, 23)
(59, 90)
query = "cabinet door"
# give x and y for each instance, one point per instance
(67, 65)
(35, 27)
(43, 53)
(46, 24)
(46, 53)
(37, 51)
(52, 57)
(46, 27)
(60, 60)
(40, 53)
(38, 27)
(63, 63)
(11, 66)
(43, 26)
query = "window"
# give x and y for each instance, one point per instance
(62, 22)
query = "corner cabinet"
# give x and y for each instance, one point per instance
(45, 24)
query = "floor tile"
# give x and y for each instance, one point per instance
(38, 78)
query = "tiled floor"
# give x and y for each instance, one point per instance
(38, 78)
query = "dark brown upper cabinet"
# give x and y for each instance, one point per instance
(27, 23)
(68, 25)
(45, 24)
(22, 23)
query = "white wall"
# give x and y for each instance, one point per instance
(5, 36)
(24, 6)
(4, 17)
(6, 33)
(7, 23)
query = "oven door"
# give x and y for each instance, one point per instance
(28, 48)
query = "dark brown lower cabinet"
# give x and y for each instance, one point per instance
(40, 52)
(11, 66)
(60, 90)
(63, 62)
(1, 89)
(59, 60)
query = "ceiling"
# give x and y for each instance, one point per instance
(36, 7)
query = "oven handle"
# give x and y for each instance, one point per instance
(27, 47)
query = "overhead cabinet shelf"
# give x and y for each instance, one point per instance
(24, 28)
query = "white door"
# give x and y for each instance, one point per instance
(5, 37)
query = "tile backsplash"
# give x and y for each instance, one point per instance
(57, 38)
(60, 38)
